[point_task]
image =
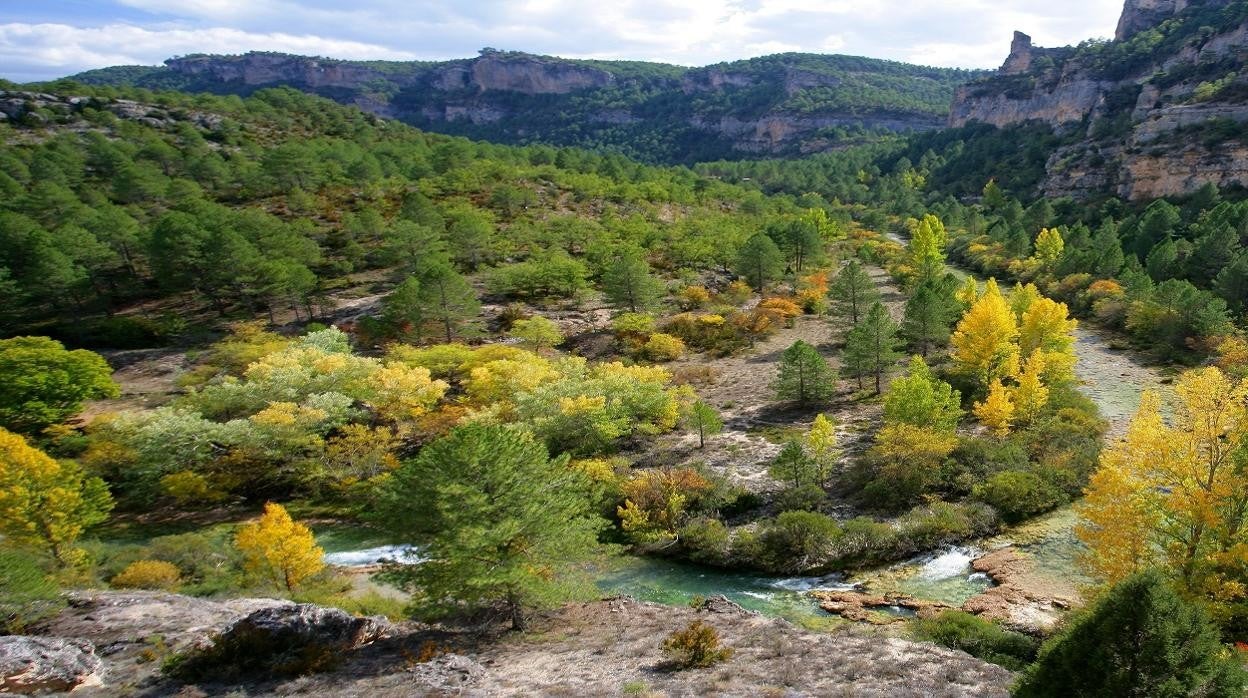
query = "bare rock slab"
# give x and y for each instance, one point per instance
(34, 665)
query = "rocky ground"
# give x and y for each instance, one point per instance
(606, 647)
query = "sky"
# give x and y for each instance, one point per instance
(46, 39)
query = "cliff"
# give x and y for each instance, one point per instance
(1158, 111)
(787, 104)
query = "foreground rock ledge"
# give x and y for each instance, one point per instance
(590, 649)
(47, 664)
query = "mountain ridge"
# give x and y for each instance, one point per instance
(784, 104)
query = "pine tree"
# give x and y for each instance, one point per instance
(804, 375)
(499, 520)
(759, 261)
(447, 298)
(403, 309)
(702, 419)
(871, 347)
(852, 291)
(1139, 639)
(793, 467)
(45, 503)
(930, 313)
(280, 549)
(629, 284)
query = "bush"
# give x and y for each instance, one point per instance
(1018, 495)
(148, 574)
(798, 541)
(705, 540)
(807, 497)
(663, 347)
(1139, 639)
(27, 593)
(977, 637)
(697, 645)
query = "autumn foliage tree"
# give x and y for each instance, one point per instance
(985, 344)
(46, 504)
(1175, 496)
(278, 548)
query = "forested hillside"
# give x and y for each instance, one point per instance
(785, 104)
(218, 206)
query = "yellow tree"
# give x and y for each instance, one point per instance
(1119, 513)
(280, 549)
(1031, 394)
(1049, 246)
(46, 503)
(1182, 490)
(1022, 297)
(984, 343)
(927, 247)
(967, 293)
(1047, 327)
(820, 443)
(997, 410)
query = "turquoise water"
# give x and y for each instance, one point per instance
(677, 584)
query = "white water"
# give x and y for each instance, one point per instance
(371, 556)
(832, 582)
(954, 562)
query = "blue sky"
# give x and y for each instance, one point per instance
(44, 39)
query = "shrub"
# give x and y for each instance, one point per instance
(632, 324)
(977, 637)
(190, 488)
(798, 541)
(808, 497)
(705, 540)
(663, 347)
(1018, 495)
(698, 645)
(27, 593)
(148, 574)
(1140, 639)
(692, 297)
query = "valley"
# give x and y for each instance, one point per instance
(799, 374)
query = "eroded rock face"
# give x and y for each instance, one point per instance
(306, 623)
(1144, 123)
(47, 664)
(1022, 600)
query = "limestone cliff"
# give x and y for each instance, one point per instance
(774, 105)
(1158, 111)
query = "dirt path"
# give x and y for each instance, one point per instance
(755, 424)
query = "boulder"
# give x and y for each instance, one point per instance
(47, 664)
(284, 641)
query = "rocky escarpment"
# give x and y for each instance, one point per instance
(785, 104)
(599, 648)
(1161, 110)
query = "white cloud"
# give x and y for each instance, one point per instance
(963, 33)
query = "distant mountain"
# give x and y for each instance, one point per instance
(1160, 110)
(786, 104)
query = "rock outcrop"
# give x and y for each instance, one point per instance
(47, 664)
(1022, 599)
(785, 104)
(595, 648)
(1156, 115)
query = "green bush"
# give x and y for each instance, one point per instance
(798, 541)
(808, 497)
(1139, 639)
(977, 637)
(27, 593)
(705, 540)
(1018, 495)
